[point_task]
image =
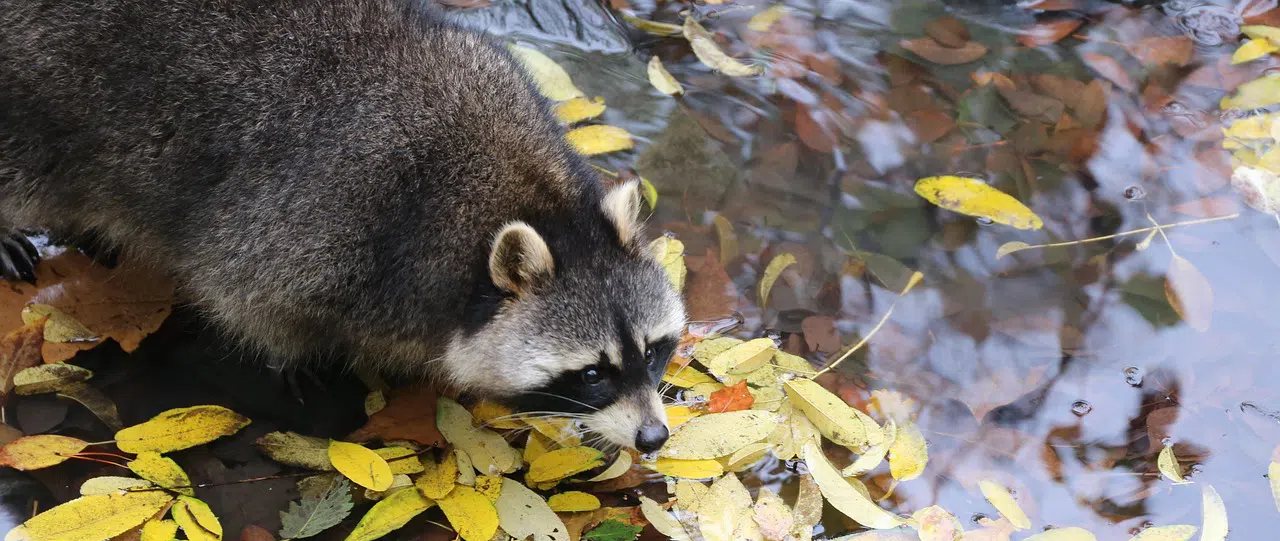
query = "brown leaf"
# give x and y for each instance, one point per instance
(731, 398)
(1207, 207)
(948, 31)
(1032, 105)
(1109, 68)
(820, 334)
(930, 125)
(126, 303)
(1048, 32)
(1158, 423)
(1157, 50)
(410, 415)
(1091, 107)
(1050, 5)
(1189, 293)
(709, 292)
(253, 532)
(929, 49)
(18, 350)
(1063, 89)
(815, 128)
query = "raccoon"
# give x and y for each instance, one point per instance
(359, 181)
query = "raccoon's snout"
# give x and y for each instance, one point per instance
(651, 436)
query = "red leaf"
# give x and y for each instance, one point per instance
(732, 398)
(930, 125)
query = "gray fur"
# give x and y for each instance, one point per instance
(323, 177)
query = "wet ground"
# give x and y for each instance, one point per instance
(1059, 372)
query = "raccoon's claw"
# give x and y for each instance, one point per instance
(18, 257)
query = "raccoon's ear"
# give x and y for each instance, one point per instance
(520, 260)
(622, 207)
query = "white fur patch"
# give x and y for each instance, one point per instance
(619, 422)
(622, 206)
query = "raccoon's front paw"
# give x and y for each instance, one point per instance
(18, 257)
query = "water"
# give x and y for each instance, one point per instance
(1060, 372)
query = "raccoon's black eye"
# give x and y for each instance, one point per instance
(650, 356)
(592, 376)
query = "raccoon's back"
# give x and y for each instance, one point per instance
(303, 166)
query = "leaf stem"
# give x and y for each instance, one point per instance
(1134, 232)
(915, 279)
(1160, 230)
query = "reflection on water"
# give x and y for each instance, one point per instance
(1059, 372)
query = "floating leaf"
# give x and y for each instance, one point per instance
(1255, 31)
(42, 451)
(1189, 293)
(180, 428)
(1273, 475)
(687, 469)
(936, 524)
(974, 197)
(661, 79)
(793, 432)
(466, 469)
(579, 109)
(20, 349)
(653, 27)
(929, 49)
(196, 519)
(732, 398)
(296, 450)
(1181, 532)
(1003, 501)
(551, 79)
(1168, 465)
(311, 516)
(61, 327)
(48, 378)
(488, 450)
(522, 513)
(92, 518)
(1253, 50)
(599, 139)
(1214, 526)
(494, 415)
(875, 454)
(95, 401)
(746, 357)
(1256, 94)
(760, 22)
(909, 453)
(438, 477)
(573, 501)
(1259, 187)
(471, 514)
(112, 485)
(649, 193)
(410, 415)
(1063, 534)
(662, 521)
(745, 457)
(162, 471)
(159, 530)
(843, 496)
(772, 515)
(832, 416)
(563, 463)
(1011, 247)
(724, 514)
(705, 48)
(719, 434)
(361, 465)
(389, 514)
(771, 274)
(490, 486)
(620, 466)
(678, 415)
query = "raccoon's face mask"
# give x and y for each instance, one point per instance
(588, 340)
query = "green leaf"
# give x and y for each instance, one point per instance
(314, 515)
(613, 530)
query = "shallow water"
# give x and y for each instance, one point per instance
(1059, 372)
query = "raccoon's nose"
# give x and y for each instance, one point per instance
(651, 437)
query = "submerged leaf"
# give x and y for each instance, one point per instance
(311, 516)
(724, 514)
(296, 450)
(1003, 501)
(670, 254)
(92, 518)
(599, 139)
(974, 197)
(936, 524)
(361, 465)
(909, 453)
(389, 514)
(661, 79)
(41, 451)
(1011, 247)
(718, 434)
(771, 274)
(551, 79)
(705, 48)
(929, 49)
(180, 428)
(843, 496)
(48, 378)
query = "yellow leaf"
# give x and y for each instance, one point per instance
(159, 530)
(833, 417)
(686, 469)
(1255, 31)
(1259, 187)
(466, 469)
(562, 463)
(180, 428)
(661, 79)
(92, 518)
(42, 451)
(551, 79)
(1253, 50)
(875, 454)
(196, 519)
(1273, 474)
(909, 453)
(489, 451)
(578, 109)
(689, 495)
(494, 415)
(573, 502)
(619, 466)
(296, 450)
(936, 524)
(1189, 293)
(793, 432)
(746, 457)
(112, 485)
(843, 496)
(724, 514)
(390, 514)
(670, 254)
(559, 430)
(522, 513)
(974, 197)
(705, 48)
(807, 512)
(1214, 525)
(61, 327)
(677, 415)
(1256, 94)
(1181, 532)
(48, 378)
(761, 22)
(743, 358)
(718, 434)
(438, 478)
(702, 391)
(772, 514)
(652, 27)
(649, 192)
(1063, 534)
(1168, 465)
(662, 521)
(361, 465)
(374, 402)
(536, 446)
(771, 273)
(471, 514)
(1003, 501)
(162, 471)
(489, 486)
(599, 139)
(1011, 247)
(727, 237)
(402, 460)
(685, 376)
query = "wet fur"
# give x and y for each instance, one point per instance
(324, 178)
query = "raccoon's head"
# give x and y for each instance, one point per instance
(585, 329)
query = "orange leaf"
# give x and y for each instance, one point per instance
(1176, 50)
(410, 415)
(1109, 68)
(1048, 32)
(931, 50)
(732, 398)
(930, 125)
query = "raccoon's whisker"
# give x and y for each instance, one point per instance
(567, 399)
